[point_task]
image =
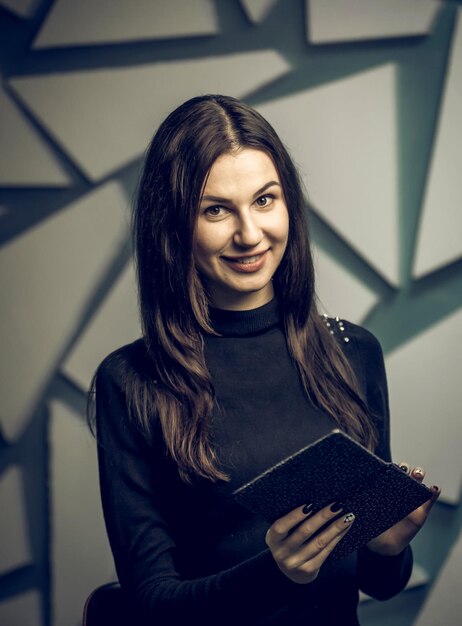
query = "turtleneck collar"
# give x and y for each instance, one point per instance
(245, 323)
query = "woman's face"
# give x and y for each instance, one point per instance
(241, 230)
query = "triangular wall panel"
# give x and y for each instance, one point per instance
(257, 10)
(331, 21)
(23, 8)
(339, 292)
(440, 231)
(424, 383)
(87, 22)
(25, 159)
(23, 609)
(118, 110)
(80, 553)
(345, 144)
(49, 274)
(15, 550)
(115, 324)
(443, 603)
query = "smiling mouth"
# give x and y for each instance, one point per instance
(246, 260)
(247, 263)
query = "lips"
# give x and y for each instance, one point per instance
(247, 259)
(246, 264)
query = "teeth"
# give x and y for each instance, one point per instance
(248, 259)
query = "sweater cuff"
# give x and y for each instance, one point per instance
(382, 577)
(270, 576)
(262, 584)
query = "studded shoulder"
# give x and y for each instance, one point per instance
(336, 327)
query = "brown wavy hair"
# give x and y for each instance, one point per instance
(173, 302)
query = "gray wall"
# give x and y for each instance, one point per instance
(366, 94)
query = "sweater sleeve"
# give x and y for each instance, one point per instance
(143, 547)
(381, 577)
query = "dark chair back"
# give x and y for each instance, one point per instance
(106, 606)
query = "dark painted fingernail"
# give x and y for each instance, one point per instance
(349, 518)
(404, 468)
(337, 506)
(307, 509)
(435, 488)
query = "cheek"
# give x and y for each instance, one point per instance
(283, 228)
(205, 244)
(284, 235)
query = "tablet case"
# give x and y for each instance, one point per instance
(336, 468)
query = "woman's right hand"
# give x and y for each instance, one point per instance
(297, 553)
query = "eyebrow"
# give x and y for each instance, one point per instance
(271, 183)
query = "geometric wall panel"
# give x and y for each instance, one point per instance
(345, 143)
(15, 550)
(339, 292)
(116, 323)
(21, 610)
(49, 274)
(440, 233)
(443, 604)
(99, 107)
(81, 557)
(424, 382)
(23, 8)
(86, 22)
(257, 10)
(25, 159)
(346, 20)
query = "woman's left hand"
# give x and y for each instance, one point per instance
(395, 539)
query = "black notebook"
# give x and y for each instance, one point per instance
(336, 468)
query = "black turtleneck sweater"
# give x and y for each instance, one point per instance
(188, 553)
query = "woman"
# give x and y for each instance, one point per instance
(235, 371)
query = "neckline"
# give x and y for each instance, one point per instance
(245, 323)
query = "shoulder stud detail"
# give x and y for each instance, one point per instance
(333, 324)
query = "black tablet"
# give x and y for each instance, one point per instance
(336, 468)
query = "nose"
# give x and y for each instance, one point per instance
(248, 233)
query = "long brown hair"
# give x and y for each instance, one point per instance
(174, 305)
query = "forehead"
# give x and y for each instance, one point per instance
(245, 167)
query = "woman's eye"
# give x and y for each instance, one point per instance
(215, 211)
(263, 201)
